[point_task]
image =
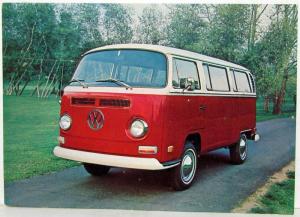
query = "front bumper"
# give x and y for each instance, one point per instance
(112, 160)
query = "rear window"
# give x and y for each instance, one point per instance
(242, 82)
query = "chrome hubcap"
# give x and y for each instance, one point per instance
(243, 149)
(188, 166)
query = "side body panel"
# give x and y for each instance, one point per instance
(219, 125)
(183, 116)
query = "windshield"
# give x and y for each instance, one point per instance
(137, 68)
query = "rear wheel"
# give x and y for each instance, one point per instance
(183, 175)
(239, 151)
(96, 170)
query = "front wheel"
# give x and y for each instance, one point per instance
(183, 175)
(96, 170)
(239, 151)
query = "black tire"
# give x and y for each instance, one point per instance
(96, 170)
(239, 151)
(179, 180)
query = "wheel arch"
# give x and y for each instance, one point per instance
(247, 133)
(195, 139)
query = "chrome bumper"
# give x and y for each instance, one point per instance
(111, 160)
(256, 137)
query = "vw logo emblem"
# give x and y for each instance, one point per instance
(95, 119)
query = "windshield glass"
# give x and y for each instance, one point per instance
(137, 68)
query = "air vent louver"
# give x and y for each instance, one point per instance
(83, 101)
(115, 102)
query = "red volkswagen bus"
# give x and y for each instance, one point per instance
(152, 107)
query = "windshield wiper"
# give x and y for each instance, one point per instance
(121, 83)
(80, 81)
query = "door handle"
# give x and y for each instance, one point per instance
(202, 107)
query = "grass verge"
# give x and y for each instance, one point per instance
(30, 134)
(269, 116)
(279, 199)
(275, 196)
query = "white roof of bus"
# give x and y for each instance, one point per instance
(170, 50)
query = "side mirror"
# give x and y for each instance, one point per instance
(187, 83)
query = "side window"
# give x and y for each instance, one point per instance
(184, 69)
(218, 78)
(242, 82)
(233, 79)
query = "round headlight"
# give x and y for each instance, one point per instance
(138, 128)
(65, 122)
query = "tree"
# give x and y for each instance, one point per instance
(32, 25)
(228, 32)
(187, 25)
(151, 26)
(42, 42)
(87, 17)
(253, 23)
(280, 41)
(116, 24)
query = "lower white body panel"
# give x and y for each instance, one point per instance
(110, 160)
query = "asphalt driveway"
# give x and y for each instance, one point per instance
(219, 186)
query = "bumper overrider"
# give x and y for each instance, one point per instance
(113, 160)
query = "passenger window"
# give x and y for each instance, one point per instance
(242, 82)
(218, 78)
(184, 69)
(233, 80)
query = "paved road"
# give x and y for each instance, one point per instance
(219, 186)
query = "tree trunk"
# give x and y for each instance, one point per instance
(48, 90)
(23, 88)
(10, 85)
(252, 30)
(16, 86)
(34, 91)
(280, 96)
(37, 88)
(266, 104)
(46, 85)
(254, 20)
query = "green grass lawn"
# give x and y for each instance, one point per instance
(288, 109)
(268, 116)
(279, 199)
(30, 134)
(31, 131)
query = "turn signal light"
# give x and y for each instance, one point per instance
(170, 148)
(147, 149)
(61, 140)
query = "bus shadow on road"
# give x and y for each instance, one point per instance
(120, 181)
